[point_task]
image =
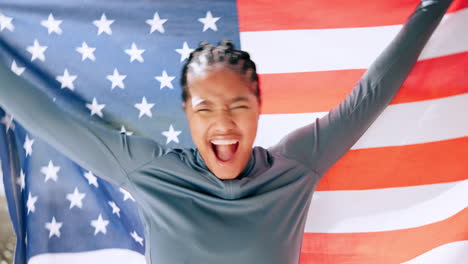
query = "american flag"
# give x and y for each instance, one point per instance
(400, 195)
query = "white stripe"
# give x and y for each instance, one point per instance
(114, 255)
(453, 253)
(385, 209)
(400, 124)
(286, 51)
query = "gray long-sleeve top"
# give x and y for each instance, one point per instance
(191, 216)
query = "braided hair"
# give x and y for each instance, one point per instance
(207, 55)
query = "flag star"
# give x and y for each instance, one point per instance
(50, 171)
(28, 145)
(86, 52)
(171, 135)
(100, 225)
(92, 180)
(126, 194)
(7, 120)
(5, 22)
(209, 22)
(124, 131)
(21, 181)
(52, 25)
(116, 79)
(76, 198)
(145, 108)
(37, 51)
(115, 208)
(31, 203)
(103, 25)
(156, 23)
(137, 238)
(54, 227)
(16, 69)
(66, 80)
(184, 51)
(95, 108)
(135, 53)
(165, 80)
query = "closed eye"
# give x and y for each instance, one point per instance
(241, 107)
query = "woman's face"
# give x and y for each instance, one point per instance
(222, 111)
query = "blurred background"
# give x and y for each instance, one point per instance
(7, 237)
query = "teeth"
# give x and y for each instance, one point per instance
(224, 141)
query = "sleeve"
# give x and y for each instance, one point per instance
(320, 144)
(109, 154)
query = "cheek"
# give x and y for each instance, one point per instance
(198, 130)
(249, 126)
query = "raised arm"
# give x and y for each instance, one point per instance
(320, 144)
(106, 153)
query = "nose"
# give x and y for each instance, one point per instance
(223, 123)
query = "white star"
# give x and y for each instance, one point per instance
(135, 53)
(165, 80)
(92, 180)
(52, 25)
(21, 181)
(115, 208)
(184, 51)
(171, 135)
(16, 69)
(124, 131)
(95, 108)
(30, 203)
(7, 120)
(54, 227)
(145, 108)
(209, 22)
(50, 171)
(103, 25)
(66, 80)
(137, 238)
(126, 194)
(99, 225)
(28, 145)
(86, 52)
(156, 23)
(5, 22)
(116, 79)
(37, 51)
(76, 198)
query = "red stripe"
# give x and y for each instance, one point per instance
(258, 15)
(321, 91)
(383, 247)
(410, 165)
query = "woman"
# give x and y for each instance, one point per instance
(225, 200)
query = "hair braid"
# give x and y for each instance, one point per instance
(207, 55)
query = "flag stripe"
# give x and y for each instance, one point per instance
(436, 162)
(396, 125)
(114, 255)
(322, 50)
(383, 247)
(303, 14)
(376, 210)
(311, 91)
(455, 252)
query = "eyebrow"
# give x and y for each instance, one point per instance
(238, 99)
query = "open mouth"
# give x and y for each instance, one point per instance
(224, 149)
